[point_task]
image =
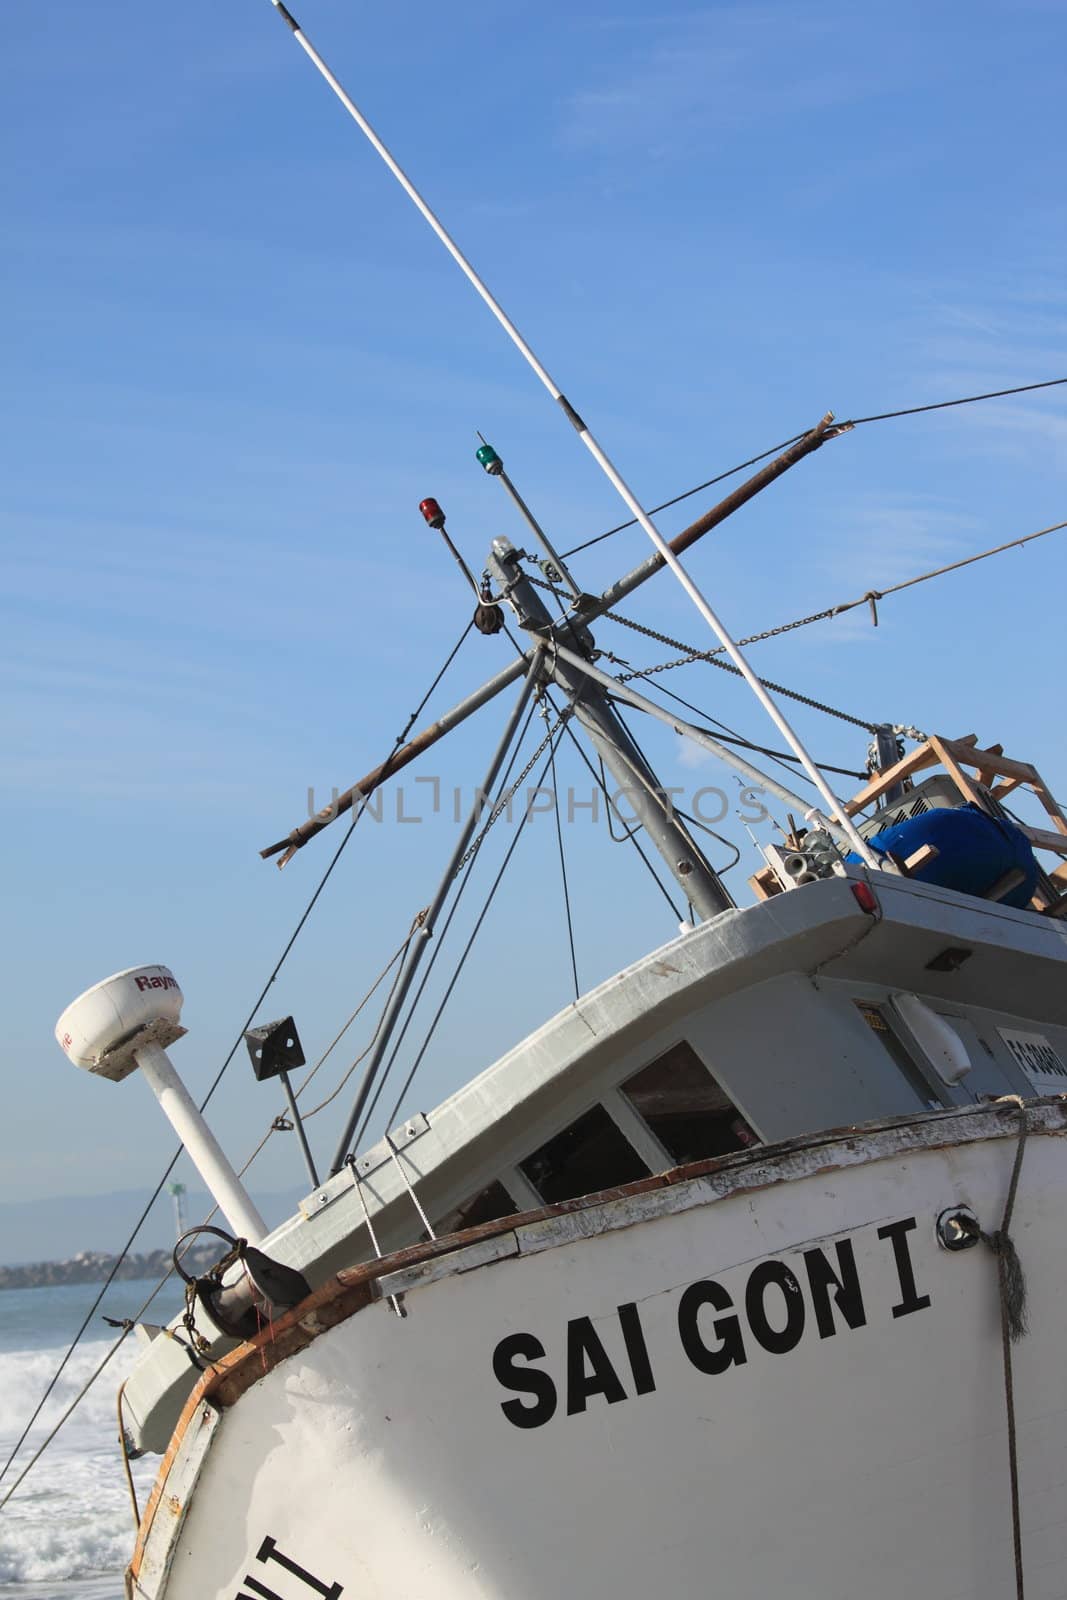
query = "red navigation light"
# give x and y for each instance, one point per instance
(433, 513)
(865, 898)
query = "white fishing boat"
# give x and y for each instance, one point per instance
(742, 1275)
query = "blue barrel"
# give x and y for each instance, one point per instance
(974, 851)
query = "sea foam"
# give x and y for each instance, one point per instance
(71, 1518)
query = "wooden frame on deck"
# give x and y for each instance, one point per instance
(959, 757)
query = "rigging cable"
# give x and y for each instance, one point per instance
(631, 833)
(465, 866)
(697, 489)
(409, 1080)
(563, 868)
(943, 405)
(731, 736)
(703, 826)
(565, 719)
(50, 1386)
(839, 428)
(869, 598)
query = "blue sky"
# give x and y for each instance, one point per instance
(235, 360)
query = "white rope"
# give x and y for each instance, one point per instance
(394, 1152)
(357, 1185)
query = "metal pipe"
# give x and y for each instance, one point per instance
(415, 950)
(298, 1124)
(692, 871)
(494, 466)
(762, 780)
(203, 1149)
(596, 450)
(689, 866)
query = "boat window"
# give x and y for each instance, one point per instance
(691, 1116)
(488, 1205)
(591, 1154)
(880, 1026)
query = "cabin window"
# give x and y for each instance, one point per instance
(591, 1154)
(880, 1026)
(488, 1205)
(691, 1116)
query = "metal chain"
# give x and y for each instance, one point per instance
(712, 657)
(506, 798)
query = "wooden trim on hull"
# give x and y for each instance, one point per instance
(353, 1289)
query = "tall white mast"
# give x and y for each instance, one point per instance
(599, 456)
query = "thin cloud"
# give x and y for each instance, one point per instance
(706, 73)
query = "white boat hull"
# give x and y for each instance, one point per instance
(769, 1379)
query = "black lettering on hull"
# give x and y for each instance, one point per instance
(910, 1299)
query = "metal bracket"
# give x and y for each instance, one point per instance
(379, 1154)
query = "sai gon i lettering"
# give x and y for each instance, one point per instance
(777, 1309)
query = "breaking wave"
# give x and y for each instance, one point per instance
(71, 1519)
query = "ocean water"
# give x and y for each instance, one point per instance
(68, 1532)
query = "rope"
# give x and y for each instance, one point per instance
(1013, 1326)
(350, 1163)
(124, 1447)
(415, 926)
(423, 1218)
(563, 869)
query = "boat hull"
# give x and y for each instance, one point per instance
(767, 1377)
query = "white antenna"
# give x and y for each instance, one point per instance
(603, 461)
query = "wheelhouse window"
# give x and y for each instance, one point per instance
(691, 1116)
(488, 1205)
(591, 1154)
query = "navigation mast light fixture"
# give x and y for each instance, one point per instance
(432, 512)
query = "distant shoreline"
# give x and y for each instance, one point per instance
(94, 1266)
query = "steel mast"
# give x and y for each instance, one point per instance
(592, 707)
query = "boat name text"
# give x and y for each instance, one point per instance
(715, 1334)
